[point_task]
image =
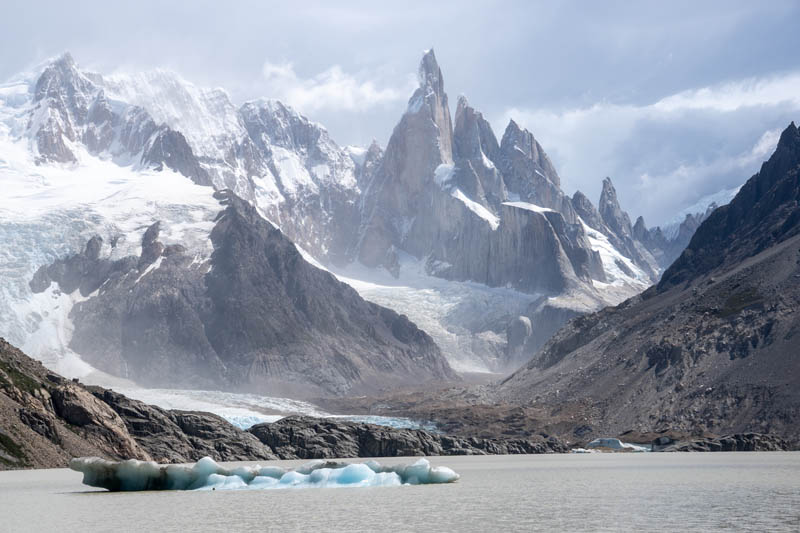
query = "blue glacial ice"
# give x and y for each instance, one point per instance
(206, 474)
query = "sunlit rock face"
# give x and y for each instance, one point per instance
(401, 188)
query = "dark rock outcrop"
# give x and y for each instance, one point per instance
(181, 436)
(740, 442)
(310, 438)
(45, 420)
(168, 148)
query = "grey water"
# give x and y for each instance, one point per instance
(580, 492)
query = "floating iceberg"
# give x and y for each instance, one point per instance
(618, 445)
(206, 474)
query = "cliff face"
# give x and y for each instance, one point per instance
(254, 316)
(474, 209)
(714, 345)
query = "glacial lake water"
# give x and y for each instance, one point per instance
(579, 492)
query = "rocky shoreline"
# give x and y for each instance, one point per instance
(46, 419)
(301, 437)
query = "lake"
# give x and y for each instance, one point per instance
(580, 492)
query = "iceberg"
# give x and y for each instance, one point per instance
(617, 445)
(206, 474)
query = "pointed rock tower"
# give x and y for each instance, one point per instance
(420, 143)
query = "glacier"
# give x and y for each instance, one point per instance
(466, 319)
(245, 410)
(207, 474)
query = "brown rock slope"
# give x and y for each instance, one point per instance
(714, 347)
(46, 419)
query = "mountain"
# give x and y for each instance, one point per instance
(667, 244)
(713, 346)
(263, 150)
(446, 210)
(438, 195)
(77, 234)
(449, 195)
(254, 316)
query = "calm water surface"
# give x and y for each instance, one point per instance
(592, 492)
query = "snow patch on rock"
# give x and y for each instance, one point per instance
(477, 208)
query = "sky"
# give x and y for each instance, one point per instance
(673, 100)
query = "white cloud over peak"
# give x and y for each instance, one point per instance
(666, 155)
(332, 89)
(735, 95)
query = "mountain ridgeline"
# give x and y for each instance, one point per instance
(320, 194)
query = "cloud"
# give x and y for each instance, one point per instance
(666, 155)
(735, 95)
(332, 89)
(680, 183)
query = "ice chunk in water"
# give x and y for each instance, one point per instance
(206, 474)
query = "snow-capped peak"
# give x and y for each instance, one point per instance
(206, 117)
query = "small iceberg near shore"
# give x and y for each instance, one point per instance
(616, 445)
(206, 474)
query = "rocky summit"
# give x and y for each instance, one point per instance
(474, 209)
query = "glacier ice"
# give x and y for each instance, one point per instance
(206, 474)
(466, 319)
